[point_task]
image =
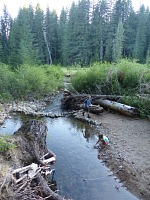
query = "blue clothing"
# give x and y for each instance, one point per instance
(87, 103)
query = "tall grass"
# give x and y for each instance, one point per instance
(6, 143)
(29, 80)
(126, 77)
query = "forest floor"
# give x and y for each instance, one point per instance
(129, 148)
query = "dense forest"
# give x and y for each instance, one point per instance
(107, 30)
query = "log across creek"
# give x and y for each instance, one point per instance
(99, 103)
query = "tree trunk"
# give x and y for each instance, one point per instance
(119, 107)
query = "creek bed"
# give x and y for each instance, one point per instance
(79, 171)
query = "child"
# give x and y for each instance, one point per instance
(102, 140)
(87, 104)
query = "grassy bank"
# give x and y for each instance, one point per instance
(127, 78)
(29, 81)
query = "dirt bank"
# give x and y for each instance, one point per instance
(129, 148)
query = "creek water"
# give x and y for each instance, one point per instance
(79, 171)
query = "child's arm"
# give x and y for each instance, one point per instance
(97, 141)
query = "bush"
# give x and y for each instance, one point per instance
(123, 78)
(5, 144)
(29, 81)
(142, 104)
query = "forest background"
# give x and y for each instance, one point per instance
(35, 46)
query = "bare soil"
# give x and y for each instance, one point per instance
(129, 149)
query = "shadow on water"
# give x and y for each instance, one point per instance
(79, 172)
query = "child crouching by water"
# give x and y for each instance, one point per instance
(102, 141)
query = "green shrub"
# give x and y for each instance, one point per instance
(29, 81)
(142, 104)
(123, 78)
(5, 144)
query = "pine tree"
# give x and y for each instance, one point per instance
(38, 36)
(119, 39)
(22, 51)
(110, 29)
(51, 28)
(140, 36)
(70, 37)
(1, 49)
(61, 34)
(99, 30)
(14, 40)
(5, 28)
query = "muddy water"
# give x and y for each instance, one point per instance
(79, 171)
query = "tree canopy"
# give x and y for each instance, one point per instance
(87, 32)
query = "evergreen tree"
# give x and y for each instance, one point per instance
(141, 36)
(83, 51)
(5, 28)
(61, 34)
(118, 46)
(1, 49)
(27, 53)
(130, 29)
(147, 33)
(70, 37)
(51, 29)
(98, 30)
(22, 51)
(14, 40)
(110, 29)
(148, 56)
(38, 35)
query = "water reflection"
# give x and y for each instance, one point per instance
(79, 173)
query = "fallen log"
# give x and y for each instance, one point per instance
(81, 97)
(93, 108)
(119, 107)
(75, 102)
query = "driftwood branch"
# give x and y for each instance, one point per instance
(22, 183)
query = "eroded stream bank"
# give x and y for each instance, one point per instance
(80, 171)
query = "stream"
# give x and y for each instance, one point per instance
(79, 171)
